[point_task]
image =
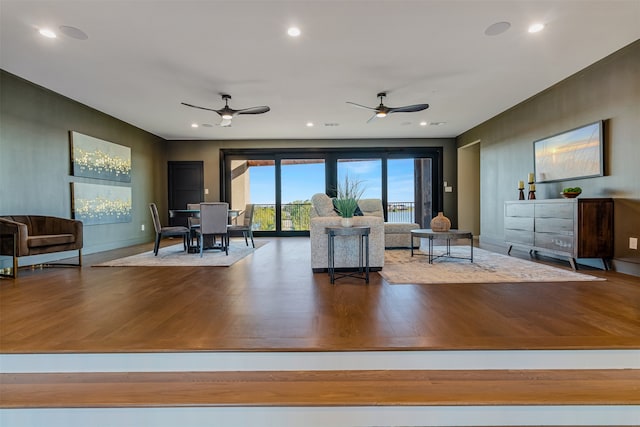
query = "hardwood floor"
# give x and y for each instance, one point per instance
(321, 388)
(271, 300)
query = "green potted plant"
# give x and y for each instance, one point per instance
(348, 192)
(571, 192)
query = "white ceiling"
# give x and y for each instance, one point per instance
(142, 58)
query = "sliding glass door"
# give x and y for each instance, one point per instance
(254, 181)
(281, 185)
(401, 192)
(299, 180)
(366, 171)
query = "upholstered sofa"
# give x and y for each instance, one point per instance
(25, 235)
(346, 247)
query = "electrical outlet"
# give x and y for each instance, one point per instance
(633, 243)
(142, 227)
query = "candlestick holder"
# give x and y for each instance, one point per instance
(532, 191)
(521, 196)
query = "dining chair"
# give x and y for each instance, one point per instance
(166, 231)
(246, 228)
(213, 221)
(193, 221)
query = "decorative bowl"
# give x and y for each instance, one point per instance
(571, 195)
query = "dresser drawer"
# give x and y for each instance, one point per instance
(519, 209)
(518, 223)
(555, 242)
(555, 210)
(554, 225)
(518, 236)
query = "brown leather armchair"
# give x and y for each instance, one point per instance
(25, 235)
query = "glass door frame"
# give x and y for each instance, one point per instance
(331, 156)
(226, 156)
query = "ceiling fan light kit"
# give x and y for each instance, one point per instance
(227, 113)
(382, 110)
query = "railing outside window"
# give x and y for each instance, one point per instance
(295, 216)
(264, 217)
(400, 212)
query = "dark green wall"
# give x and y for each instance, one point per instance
(608, 90)
(35, 163)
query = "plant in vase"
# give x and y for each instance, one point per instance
(349, 192)
(571, 192)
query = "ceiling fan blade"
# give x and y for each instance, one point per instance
(254, 110)
(202, 108)
(372, 117)
(362, 106)
(225, 123)
(408, 108)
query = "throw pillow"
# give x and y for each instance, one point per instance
(323, 204)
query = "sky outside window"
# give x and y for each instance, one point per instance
(302, 181)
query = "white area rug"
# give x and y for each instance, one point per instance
(487, 267)
(175, 256)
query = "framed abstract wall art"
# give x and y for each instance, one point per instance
(94, 158)
(577, 153)
(100, 204)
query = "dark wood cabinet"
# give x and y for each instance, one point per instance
(572, 228)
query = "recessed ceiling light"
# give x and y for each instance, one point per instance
(194, 125)
(293, 31)
(73, 32)
(309, 124)
(535, 28)
(497, 28)
(423, 123)
(47, 33)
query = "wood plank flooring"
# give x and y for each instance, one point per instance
(271, 300)
(321, 388)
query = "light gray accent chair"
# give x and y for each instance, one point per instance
(246, 228)
(346, 247)
(214, 217)
(166, 231)
(193, 221)
(396, 234)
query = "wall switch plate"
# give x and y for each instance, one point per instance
(448, 189)
(206, 191)
(142, 227)
(633, 243)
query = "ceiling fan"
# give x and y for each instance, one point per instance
(228, 113)
(382, 110)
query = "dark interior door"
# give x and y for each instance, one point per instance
(186, 185)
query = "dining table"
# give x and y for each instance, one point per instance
(209, 241)
(195, 213)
